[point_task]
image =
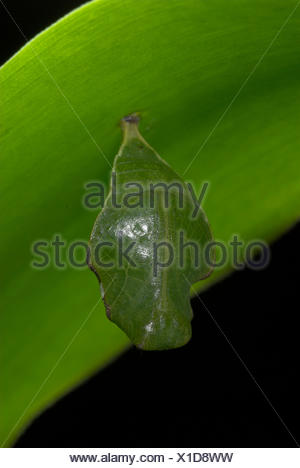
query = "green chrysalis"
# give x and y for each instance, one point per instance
(141, 246)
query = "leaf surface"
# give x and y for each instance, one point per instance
(217, 84)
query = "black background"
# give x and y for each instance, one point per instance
(201, 395)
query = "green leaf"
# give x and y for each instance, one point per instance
(217, 84)
(143, 243)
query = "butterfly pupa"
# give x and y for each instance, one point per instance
(134, 248)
